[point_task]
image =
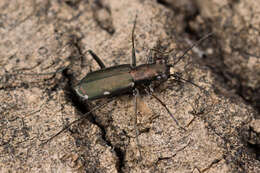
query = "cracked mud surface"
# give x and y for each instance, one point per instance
(222, 129)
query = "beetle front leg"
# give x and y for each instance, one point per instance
(97, 59)
(149, 91)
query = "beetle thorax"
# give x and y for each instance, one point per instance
(149, 72)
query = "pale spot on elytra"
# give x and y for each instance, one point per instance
(106, 93)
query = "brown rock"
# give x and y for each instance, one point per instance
(50, 35)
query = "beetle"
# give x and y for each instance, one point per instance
(120, 79)
(125, 78)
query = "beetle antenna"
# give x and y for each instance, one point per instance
(77, 120)
(178, 78)
(192, 46)
(187, 50)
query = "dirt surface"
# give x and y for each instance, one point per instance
(221, 121)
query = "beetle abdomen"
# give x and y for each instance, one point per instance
(105, 82)
(149, 72)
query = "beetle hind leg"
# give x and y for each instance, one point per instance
(97, 59)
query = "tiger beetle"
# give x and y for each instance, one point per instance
(117, 80)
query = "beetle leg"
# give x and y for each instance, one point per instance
(97, 59)
(168, 110)
(150, 92)
(77, 120)
(191, 47)
(133, 45)
(150, 59)
(136, 94)
(180, 79)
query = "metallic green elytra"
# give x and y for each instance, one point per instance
(104, 82)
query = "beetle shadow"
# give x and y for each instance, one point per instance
(71, 96)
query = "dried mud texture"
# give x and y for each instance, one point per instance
(49, 36)
(235, 56)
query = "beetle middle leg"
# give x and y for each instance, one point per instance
(136, 94)
(136, 91)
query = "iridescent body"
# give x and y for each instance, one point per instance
(120, 79)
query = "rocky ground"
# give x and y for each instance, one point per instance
(221, 121)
